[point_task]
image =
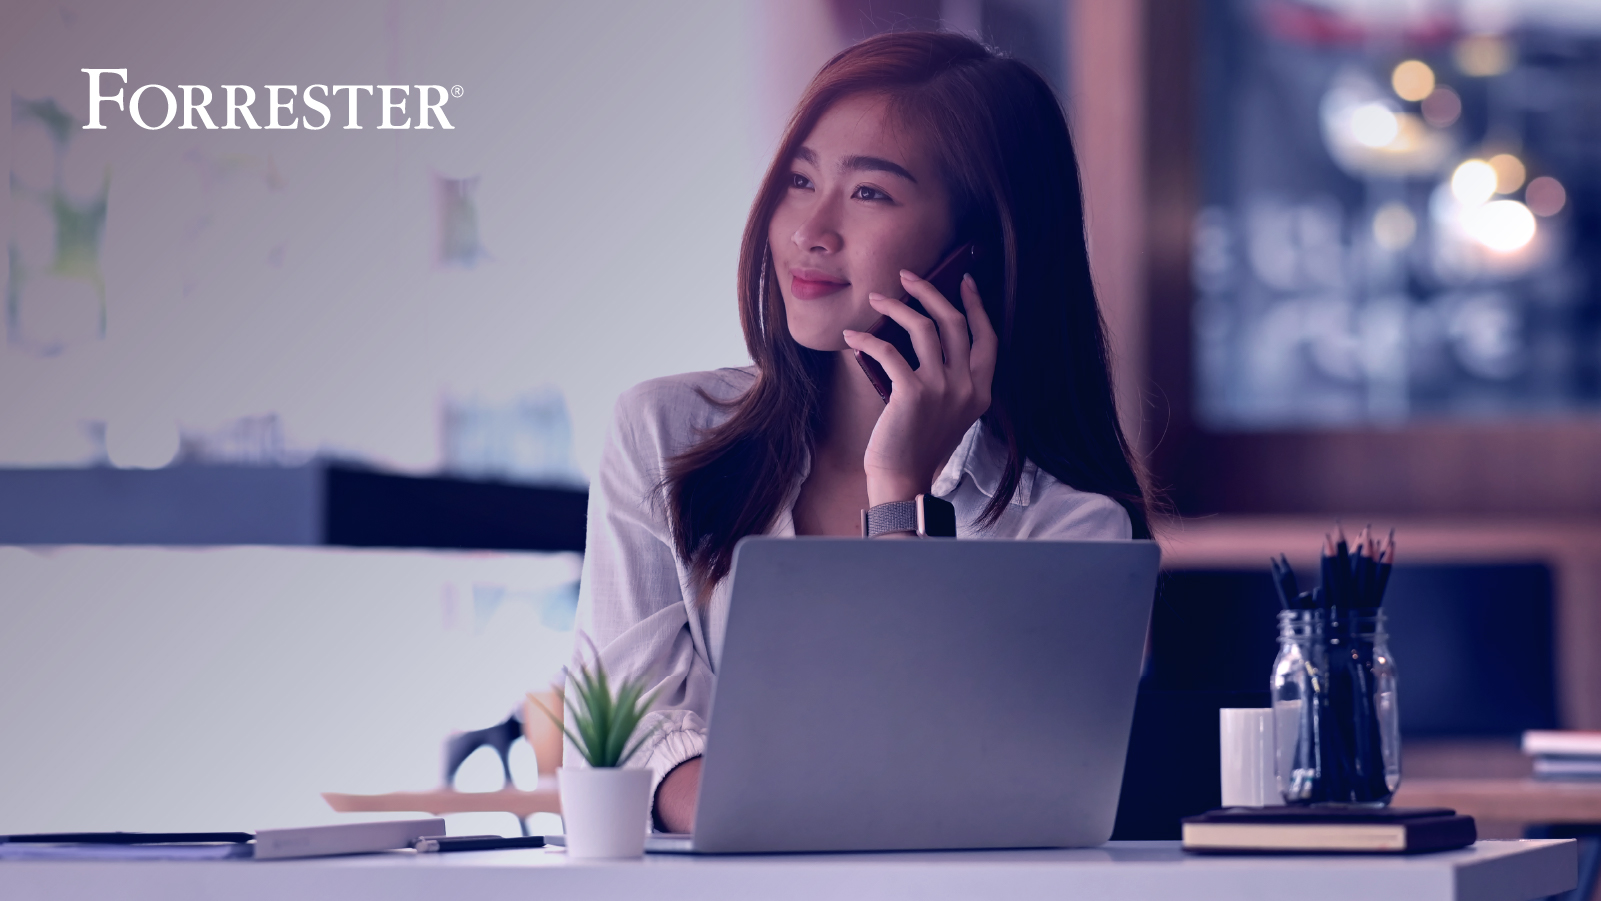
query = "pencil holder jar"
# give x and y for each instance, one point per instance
(1357, 727)
(1375, 726)
(1336, 721)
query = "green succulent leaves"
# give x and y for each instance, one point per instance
(603, 720)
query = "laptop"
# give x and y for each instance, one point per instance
(922, 695)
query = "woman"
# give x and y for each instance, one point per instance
(903, 147)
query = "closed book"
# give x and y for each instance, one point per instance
(1390, 830)
(1558, 767)
(344, 838)
(1566, 742)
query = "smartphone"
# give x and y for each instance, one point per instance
(947, 279)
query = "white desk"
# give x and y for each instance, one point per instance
(1126, 871)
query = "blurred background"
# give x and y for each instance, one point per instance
(296, 426)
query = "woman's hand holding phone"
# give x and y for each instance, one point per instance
(933, 406)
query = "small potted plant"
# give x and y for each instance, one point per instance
(605, 806)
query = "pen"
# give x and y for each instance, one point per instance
(431, 844)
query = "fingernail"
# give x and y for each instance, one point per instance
(874, 295)
(907, 273)
(851, 333)
(967, 279)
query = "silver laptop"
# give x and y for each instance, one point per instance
(916, 695)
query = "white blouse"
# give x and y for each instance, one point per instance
(635, 597)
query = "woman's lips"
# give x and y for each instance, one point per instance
(807, 284)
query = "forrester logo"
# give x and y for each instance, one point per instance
(280, 104)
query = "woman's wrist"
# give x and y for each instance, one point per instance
(887, 489)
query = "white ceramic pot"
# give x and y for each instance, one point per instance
(606, 811)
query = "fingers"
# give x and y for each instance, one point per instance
(985, 343)
(895, 365)
(952, 324)
(925, 338)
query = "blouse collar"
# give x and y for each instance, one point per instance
(982, 456)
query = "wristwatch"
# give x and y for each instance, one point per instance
(927, 515)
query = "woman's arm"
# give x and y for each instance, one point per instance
(631, 601)
(675, 799)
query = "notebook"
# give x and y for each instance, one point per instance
(1391, 830)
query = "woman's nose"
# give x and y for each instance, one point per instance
(819, 231)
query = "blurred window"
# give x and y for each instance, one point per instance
(1398, 212)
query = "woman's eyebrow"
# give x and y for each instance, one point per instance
(874, 164)
(858, 164)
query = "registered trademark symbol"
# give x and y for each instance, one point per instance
(455, 90)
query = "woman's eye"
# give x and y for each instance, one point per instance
(797, 180)
(867, 193)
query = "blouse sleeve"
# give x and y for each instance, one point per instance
(631, 602)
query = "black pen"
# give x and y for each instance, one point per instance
(430, 844)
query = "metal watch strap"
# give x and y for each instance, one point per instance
(926, 515)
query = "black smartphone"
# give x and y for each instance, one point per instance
(947, 279)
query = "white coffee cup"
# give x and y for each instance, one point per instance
(1245, 738)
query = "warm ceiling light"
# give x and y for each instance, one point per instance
(1412, 80)
(1483, 55)
(1373, 125)
(1504, 225)
(1473, 182)
(1509, 172)
(1394, 226)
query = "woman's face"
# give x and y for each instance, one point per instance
(864, 201)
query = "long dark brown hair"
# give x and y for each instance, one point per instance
(1002, 145)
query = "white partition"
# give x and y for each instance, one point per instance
(224, 688)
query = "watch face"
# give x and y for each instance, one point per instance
(936, 518)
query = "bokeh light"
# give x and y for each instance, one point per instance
(1412, 80)
(1483, 55)
(1374, 125)
(1394, 226)
(1504, 225)
(1474, 182)
(1545, 196)
(1442, 107)
(1509, 173)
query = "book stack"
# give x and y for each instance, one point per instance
(1565, 756)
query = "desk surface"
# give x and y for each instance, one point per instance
(1127, 871)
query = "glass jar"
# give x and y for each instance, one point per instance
(1358, 720)
(1296, 689)
(1372, 643)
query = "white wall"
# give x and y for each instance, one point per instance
(617, 145)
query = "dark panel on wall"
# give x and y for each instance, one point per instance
(1473, 648)
(303, 505)
(372, 509)
(183, 505)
